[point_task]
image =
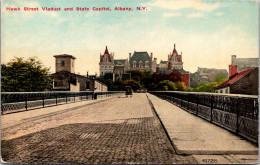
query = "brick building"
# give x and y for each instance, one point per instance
(172, 70)
(244, 82)
(65, 78)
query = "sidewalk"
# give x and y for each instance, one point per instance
(12, 119)
(193, 135)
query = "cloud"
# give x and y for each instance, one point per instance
(219, 14)
(171, 14)
(195, 15)
(185, 4)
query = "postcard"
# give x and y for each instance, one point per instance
(129, 81)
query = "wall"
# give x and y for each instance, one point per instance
(69, 64)
(246, 85)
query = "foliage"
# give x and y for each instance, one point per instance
(220, 78)
(21, 75)
(181, 86)
(170, 85)
(205, 87)
(134, 84)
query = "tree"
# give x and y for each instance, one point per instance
(181, 86)
(220, 78)
(21, 75)
(170, 85)
(134, 84)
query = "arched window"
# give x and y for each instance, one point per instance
(140, 64)
(134, 64)
(146, 63)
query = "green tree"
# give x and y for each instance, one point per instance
(181, 86)
(134, 84)
(171, 85)
(21, 75)
(220, 78)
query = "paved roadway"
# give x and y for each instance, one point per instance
(117, 130)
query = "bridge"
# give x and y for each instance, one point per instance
(108, 127)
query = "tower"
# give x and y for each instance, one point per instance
(175, 60)
(65, 62)
(106, 63)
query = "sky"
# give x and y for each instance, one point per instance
(207, 32)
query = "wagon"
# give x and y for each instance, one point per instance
(128, 91)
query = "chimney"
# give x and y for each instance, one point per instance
(155, 60)
(232, 70)
(233, 58)
(151, 56)
(129, 56)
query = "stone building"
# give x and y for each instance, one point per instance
(244, 63)
(203, 75)
(244, 82)
(142, 61)
(65, 78)
(108, 64)
(172, 69)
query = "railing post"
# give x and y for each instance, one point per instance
(80, 96)
(197, 100)
(56, 99)
(188, 102)
(74, 97)
(211, 108)
(237, 113)
(43, 100)
(26, 104)
(66, 98)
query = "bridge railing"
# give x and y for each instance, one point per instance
(13, 101)
(237, 113)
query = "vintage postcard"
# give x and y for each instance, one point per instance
(129, 81)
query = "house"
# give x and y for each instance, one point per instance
(65, 78)
(244, 63)
(142, 61)
(244, 82)
(172, 69)
(203, 75)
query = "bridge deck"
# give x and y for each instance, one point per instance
(115, 130)
(193, 135)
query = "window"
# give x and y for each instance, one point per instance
(87, 85)
(62, 63)
(134, 64)
(226, 90)
(55, 83)
(140, 64)
(146, 63)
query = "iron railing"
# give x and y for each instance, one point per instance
(13, 101)
(237, 113)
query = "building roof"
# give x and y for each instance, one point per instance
(140, 56)
(64, 55)
(107, 54)
(210, 70)
(168, 71)
(120, 61)
(164, 62)
(64, 72)
(234, 78)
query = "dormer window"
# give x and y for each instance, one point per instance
(140, 64)
(134, 64)
(146, 63)
(106, 58)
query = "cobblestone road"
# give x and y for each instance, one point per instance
(119, 130)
